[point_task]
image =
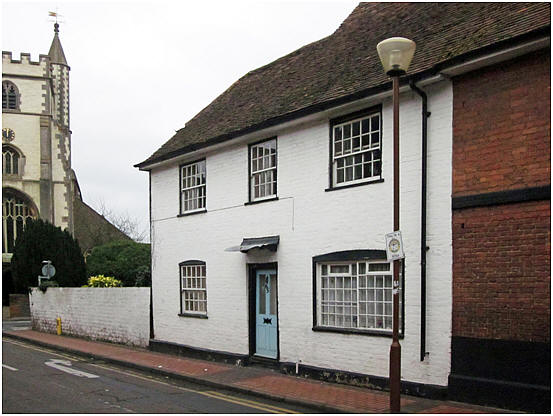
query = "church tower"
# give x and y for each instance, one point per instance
(37, 180)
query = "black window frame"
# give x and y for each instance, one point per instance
(377, 109)
(353, 256)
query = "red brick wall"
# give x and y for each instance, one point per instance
(19, 306)
(501, 126)
(501, 272)
(501, 254)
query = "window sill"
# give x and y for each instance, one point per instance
(202, 211)
(192, 315)
(355, 331)
(259, 201)
(353, 185)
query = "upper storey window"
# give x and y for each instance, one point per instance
(192, 187)
(10, 96)
(10, 161)
(263, 170)
(356, 143)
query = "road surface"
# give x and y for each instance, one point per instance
(39, 380)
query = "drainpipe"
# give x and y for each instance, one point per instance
(152, 335)
(423, 246)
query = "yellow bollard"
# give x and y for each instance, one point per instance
(58, 325)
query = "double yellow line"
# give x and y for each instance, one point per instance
(22, 344)
(266, 408)
(248, 403)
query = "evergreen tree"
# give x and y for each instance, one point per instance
(41, 241)
(125, 260)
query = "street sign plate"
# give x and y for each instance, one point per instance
(394, 246)
(48, 270)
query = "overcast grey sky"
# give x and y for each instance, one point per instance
(140, 70)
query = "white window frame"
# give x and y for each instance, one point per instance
(369, 153)
(16, 211)
(256, 171)
(193, 288)
(195, 182)
(360, 315)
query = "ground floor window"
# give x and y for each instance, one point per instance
(16, 211)
(193, 287)
(354, 294)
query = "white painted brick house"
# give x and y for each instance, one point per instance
(314, 292)
(310, 222)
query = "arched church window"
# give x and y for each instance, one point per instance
(10, 161)
(17, 210)
(10, 96)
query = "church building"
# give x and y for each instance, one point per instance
(37, 178)
(36, 142)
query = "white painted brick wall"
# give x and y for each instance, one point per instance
(311, 222)
(119, 315)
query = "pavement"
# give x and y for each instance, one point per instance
(263, 382)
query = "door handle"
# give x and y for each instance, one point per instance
(267, 320)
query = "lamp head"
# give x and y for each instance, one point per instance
(396, 55)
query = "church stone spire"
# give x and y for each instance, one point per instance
(56, 51)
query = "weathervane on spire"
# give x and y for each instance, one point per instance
(55, 15)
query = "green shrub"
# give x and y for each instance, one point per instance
(39, 241)
(127, 261)
(143, 276)
(103, 281)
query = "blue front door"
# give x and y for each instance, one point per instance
(266, 313)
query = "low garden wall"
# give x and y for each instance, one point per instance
(116, 314)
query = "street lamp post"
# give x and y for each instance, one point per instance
(395, 54)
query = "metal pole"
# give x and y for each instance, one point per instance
(395, 348)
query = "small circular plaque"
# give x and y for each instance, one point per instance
(48, 270)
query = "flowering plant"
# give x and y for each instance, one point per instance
(103, 281)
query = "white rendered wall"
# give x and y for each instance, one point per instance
(311, 222)
(119, 315)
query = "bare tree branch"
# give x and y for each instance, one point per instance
(122, 220)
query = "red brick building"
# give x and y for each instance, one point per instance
(502, 232)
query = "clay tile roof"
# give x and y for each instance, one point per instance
(345, 65)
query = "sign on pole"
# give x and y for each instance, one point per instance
(394, 246)
(48, 270)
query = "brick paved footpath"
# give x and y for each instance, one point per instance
(326, 397)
